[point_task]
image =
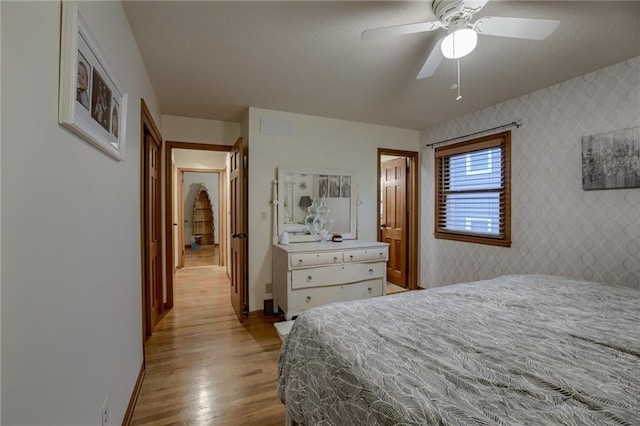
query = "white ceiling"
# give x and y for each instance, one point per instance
(212, 60)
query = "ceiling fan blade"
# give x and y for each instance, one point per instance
(433, 61)
(527, 28)
(420, 27)
(472, 6)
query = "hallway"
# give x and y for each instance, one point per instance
(203, 366)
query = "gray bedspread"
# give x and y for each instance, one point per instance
(515, 350)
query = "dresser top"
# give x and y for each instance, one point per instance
(329, 245)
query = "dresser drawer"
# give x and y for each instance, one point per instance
(302, 260)
(364, 255)
(312, 297)
(339, 274)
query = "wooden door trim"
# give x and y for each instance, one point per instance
(200, 146)
(170, 146)
(195, 170)
(413, 186)
(146, 122)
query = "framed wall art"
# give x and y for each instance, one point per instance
(91, 101)
(611, 160)
(334, 186)
(345, 186)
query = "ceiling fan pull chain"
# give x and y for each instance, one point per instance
(458, 85)
(454, 86)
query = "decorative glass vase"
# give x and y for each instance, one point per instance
(324, 221)
(312, 212)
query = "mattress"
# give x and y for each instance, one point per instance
(518, 349)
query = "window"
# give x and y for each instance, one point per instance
(473, 191)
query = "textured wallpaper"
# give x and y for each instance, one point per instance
(557, 228)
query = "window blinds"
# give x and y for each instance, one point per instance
(473, 189)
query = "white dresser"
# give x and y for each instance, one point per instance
(311, 274)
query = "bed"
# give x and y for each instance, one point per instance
(515, 350)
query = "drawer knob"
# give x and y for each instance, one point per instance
(370, 273)
(351, 257)
(308, 299)
(299, 260)
(309, 278)
(335, 258)
(369, 290)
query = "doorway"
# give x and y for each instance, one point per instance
(191, 157)
(398, 191)
(199, 205)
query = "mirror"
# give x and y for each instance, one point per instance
(297, 187)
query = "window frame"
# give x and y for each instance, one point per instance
(499, 140)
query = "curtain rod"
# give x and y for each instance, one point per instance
(516, 123)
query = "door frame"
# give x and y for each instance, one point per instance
(169, 264)
(222, 207)
(146, 122)
(413, 206)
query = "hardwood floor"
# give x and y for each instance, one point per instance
(203, 366)
(392, 288)
(204, 256)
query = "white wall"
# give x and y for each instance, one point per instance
(187, 129)
(0, 230)
(319, 143)
(557, 228)
(71, 291)
(197, 159)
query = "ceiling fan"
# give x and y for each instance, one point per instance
(455, 16)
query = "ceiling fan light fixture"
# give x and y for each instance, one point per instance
(459, 43)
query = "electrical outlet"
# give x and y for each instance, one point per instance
(105, 412)
(268, 288)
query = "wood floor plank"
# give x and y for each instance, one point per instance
(203, 366)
